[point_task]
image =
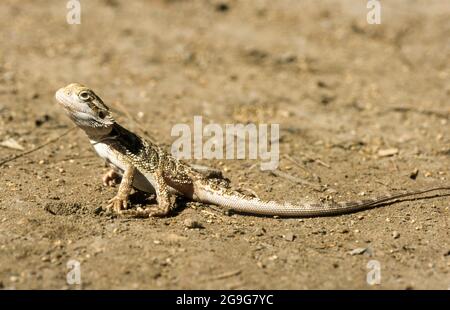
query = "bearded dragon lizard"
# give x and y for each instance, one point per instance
(145, 166)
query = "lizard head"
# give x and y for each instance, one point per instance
(84, 107)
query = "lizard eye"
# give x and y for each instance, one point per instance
(84, 95)
(101, 114)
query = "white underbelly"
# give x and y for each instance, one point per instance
(140, 182)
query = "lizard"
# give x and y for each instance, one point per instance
(147, 167)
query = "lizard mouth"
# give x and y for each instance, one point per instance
(61, 98)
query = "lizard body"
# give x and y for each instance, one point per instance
(147, 167)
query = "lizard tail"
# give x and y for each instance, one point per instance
(207, 193)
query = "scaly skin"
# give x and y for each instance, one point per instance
(145, 166)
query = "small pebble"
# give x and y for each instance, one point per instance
(413, 175)
(13, 279)
(260, 232)
(357, 251)
(222, 7)
(387, 152)
(289, 237)
(42, 120)
(395, 234)
(191, 224)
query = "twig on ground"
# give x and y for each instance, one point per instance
(294, 179)
(316, 160)
(438, 114)
(14, 157)
(227, 275)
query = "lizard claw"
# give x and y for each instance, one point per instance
(139, 212)
(117, 204)
(159, 212)
(145, 212)
(110, 178)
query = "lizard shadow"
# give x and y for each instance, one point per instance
(147, 200)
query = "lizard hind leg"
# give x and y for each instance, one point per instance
(163, 197)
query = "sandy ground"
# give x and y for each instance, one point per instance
(343, 92)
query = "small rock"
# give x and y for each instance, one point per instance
(388, 152)
(413, 175)
(45, 258)
(34, 96)
(12, 144)
(287, 58)
(42, 120)
(98, 210)
(447, 253)
(13, 278)
(358, 251)
(175, 238)
(321, 84)
(395, 234)
(260, 232)
(222, 7)
(289, 236)
(191, 224)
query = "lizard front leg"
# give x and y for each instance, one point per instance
(120, 201)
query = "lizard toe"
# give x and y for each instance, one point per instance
(117, 204)
(110, 178)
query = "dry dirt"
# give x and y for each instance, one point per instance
(342, 91)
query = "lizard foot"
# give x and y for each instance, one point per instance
(117, 204)
(111, 178)
(138, 212)
(160, 211)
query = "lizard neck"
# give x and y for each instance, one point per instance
(98, 133)
(116, 137)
